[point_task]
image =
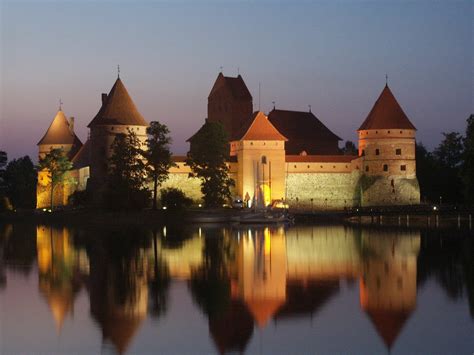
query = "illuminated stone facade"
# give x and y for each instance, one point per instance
(383, 172)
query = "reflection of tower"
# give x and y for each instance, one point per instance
(118, 296)
(262, 273)
(60, 267)
(388, 284)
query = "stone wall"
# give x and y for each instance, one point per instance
(328, 190)
(391, 190)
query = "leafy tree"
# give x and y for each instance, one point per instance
(207, 159)
(450, 151)
(158, 155)
(174, 198)
(3, 162)
(349, 148)
(4, 203)
(56, 164)
(127, 173)
(20, 179)
(468, 157)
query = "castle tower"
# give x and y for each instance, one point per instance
(260, 152)
(387, 287)
(118, 114)
(387, 148)
(60, 135)
(229, 103)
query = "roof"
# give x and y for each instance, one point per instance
(236, 87)
(82, 158)
(59, 132)
(118, 108)
(300, 125)
(388, 323)
(386, 114)
(320, 158)
(259, 128)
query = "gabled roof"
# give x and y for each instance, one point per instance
(236, 87)
(59, 132)
(259, 128)
(386, 114)
(118, 108)
(297, 125)
(82, 158)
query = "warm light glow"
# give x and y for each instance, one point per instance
(267, 241)
(267, 195)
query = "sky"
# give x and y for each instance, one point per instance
(332, 55)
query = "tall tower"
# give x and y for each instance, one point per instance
(118, 114)
(260, 152)
(387, 147)
(229, 103)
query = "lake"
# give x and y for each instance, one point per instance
(194, 289)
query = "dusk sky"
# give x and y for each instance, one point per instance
(331, 55)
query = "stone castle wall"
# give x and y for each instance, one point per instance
(328, 191)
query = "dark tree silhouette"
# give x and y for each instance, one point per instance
(207, 159)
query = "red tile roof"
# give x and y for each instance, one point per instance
(386, 114)
(259, 128)
(298, 125)
(320, 158)
(236, 86)
(59, 132)
(118, 109)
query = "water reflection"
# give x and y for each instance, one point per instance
(243, 280)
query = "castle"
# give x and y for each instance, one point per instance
(285, 155)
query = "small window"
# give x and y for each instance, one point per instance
(367, 168)
(363, 152)
(321, 166)
(308, 166)
(385, 167)
(403, 167)
(401, 132)
(376, 132)
(295, 166)
(264, 159)
(377, 152)
(398, 151)
(388, 132)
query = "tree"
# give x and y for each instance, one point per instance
(174, 199)
(158, 155)
(349, 148)
(20, 181)
(468, 160)
(127, 173)
(207, 158)
(56, 164)
(450, 151)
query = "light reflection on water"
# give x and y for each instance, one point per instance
(206, 289)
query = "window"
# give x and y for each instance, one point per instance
(403, 167)
(363, 152)
(264, 159)
(377, 152)
(385, 167)
(367, 168)
(398, 151)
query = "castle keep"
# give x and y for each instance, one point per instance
(285, 155)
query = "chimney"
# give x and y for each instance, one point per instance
(104, 98)
(71, 124)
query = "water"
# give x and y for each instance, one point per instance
(204, 290)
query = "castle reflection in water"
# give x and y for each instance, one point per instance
(241, 279)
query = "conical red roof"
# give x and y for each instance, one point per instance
(386, 114)
(59, 132)
(388, 323)
(259, 128)
(118, 109)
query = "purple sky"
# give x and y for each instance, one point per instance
(333, 55)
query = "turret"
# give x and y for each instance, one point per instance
(118, 114)
(387, 148)
(60, 135)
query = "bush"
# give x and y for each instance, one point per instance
(174, 199)
(80, 198)
(123, 199)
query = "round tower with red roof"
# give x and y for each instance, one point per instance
(387, 148)
(118, 114)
